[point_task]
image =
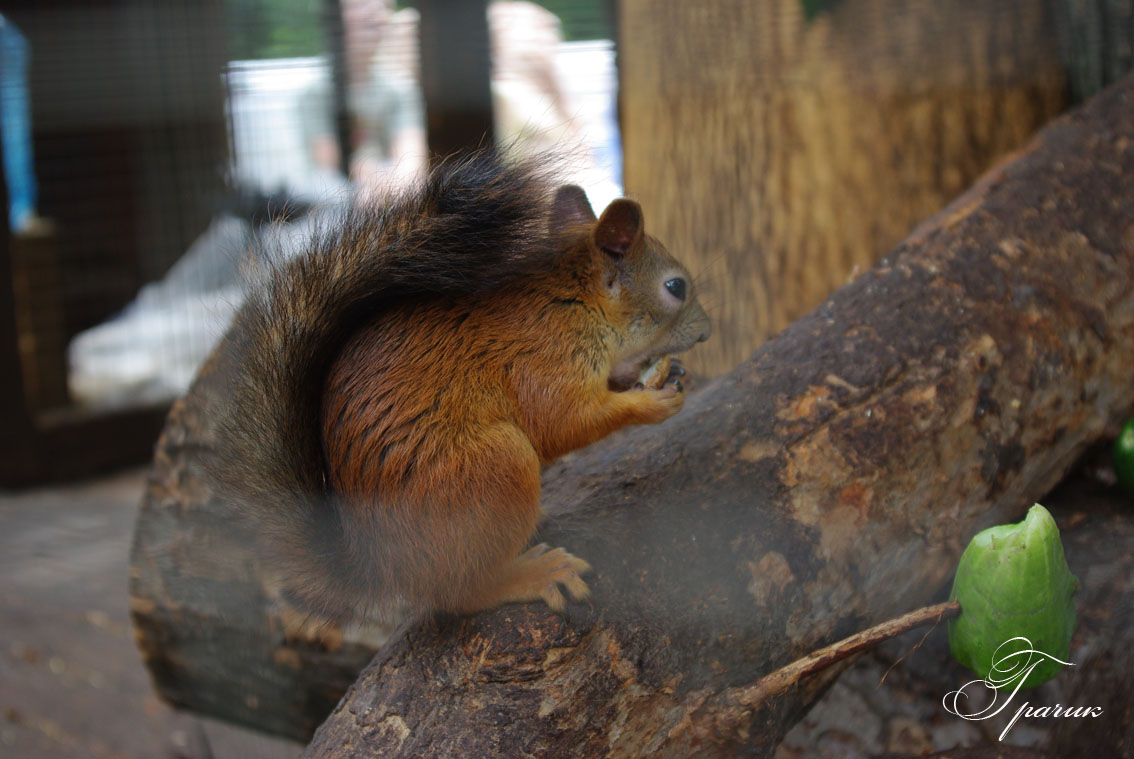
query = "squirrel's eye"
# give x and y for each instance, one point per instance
(676, 287)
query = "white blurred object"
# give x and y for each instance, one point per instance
(151, 351)
(267, 138)
(590, 83)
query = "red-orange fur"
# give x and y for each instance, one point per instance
(438, 416)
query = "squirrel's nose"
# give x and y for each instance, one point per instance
(700, 318)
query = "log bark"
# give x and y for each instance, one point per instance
(826, 485)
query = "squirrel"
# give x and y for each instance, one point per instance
(399, 386)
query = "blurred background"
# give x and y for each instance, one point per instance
(777, 146)
(151, 146)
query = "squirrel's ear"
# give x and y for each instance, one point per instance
(570, 208)
(620, 227)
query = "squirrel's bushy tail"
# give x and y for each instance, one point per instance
(470, 226)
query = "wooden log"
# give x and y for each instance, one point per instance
(992, 752)
(824, 486)
(214, 629)
(780, 155)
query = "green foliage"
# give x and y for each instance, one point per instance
(1016, 593)
(259, 29)
(582, 19)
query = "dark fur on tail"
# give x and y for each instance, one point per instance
(472, 226)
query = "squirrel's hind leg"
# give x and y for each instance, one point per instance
(493, 510)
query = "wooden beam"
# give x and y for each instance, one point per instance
(456, 67)
(336, 44)
(17, 430)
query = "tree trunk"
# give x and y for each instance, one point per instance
(780, 155)
(826, 485)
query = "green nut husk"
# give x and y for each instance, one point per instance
(1013, 583)
(1123, 457)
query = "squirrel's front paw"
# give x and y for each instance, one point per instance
(663, 402)
(676, 372)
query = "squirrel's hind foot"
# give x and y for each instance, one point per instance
(537, 574)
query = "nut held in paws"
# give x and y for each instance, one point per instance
(654, 375)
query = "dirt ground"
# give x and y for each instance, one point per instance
(71, 681)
